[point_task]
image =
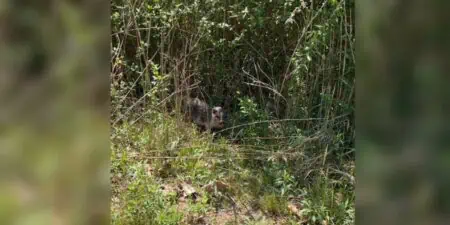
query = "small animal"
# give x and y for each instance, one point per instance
(198, 112)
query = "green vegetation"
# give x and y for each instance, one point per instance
(284, 72)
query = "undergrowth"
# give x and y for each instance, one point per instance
(149, 162)
(284, 73)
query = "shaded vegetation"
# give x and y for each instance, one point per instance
(284, 72)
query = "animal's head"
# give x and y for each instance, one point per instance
(217, 115)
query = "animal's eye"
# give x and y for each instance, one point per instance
(214, 111)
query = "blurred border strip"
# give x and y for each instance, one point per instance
(403, 112)
(54, 114)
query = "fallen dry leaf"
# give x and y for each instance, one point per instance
(293, 208)
(188, 191)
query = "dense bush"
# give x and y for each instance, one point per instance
(283, 70)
